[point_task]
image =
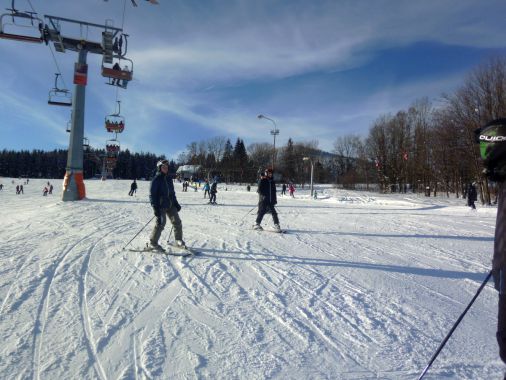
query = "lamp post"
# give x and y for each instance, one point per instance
(274, 133)
(312, 167)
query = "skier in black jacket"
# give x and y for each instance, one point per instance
(472, 195)
(492, 139)
(163, 200)
(133, 188)
(267, 200)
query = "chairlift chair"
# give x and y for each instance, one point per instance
(119, 77)
(19, 20)
(58, 96)
(86, 144)
(112, 147)
(110, 162)
(115, 122)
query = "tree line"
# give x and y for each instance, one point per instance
(430, 148)
(51, 164)
(422, 148)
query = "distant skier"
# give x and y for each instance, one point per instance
(45, 191)
(472, 195)
(163, 200)
(51, 189)
(494, 160)
(291, 190)
(213, 191)
(17, 189)
(267, 200)
(283, 189)
(133, 188)
(206, 189)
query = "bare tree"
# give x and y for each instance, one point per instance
(216, 146)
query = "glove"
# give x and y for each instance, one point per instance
(177, 205)
(156, 211)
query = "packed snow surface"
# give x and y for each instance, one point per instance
(362, 286)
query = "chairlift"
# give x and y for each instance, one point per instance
(19, 20)
(110, 162)
(86, 144)
(58, 96)
(69, 123)
(118, 75)
(115, 122)
(112, 147)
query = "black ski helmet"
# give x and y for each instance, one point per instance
(492, 140)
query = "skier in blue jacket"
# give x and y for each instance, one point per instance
(163, 200)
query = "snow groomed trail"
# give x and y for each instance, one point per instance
(362, 286)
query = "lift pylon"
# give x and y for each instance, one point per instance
(73, 183)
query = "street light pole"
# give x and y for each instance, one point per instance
(312, 168)
(274, 133)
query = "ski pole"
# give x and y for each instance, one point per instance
(149, 221)
(245, 215)
(455, 325)
(170, 233)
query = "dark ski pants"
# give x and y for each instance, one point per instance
(206, 193)
(264, 209)
(161, 220)
(213, 198)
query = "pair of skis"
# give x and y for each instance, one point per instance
(173, 250)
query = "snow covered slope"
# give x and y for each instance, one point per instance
(363, 286)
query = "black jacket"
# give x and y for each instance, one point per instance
(161, 193)
(267, 191)
(472, 193)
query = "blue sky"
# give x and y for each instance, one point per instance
(320, 69)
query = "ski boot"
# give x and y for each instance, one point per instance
(154, 246)
(180, 244)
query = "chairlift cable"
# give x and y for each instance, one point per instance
(31, 6)
(58, 68)
(123, 18)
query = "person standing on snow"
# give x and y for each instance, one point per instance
(291, 190)
(472, 195)
(163, 200)
(133, 188)
(206, 189)
(213, 191)
(493, 152)
(267, 200)
(283, 189)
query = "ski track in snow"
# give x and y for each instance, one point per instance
(362, 286)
